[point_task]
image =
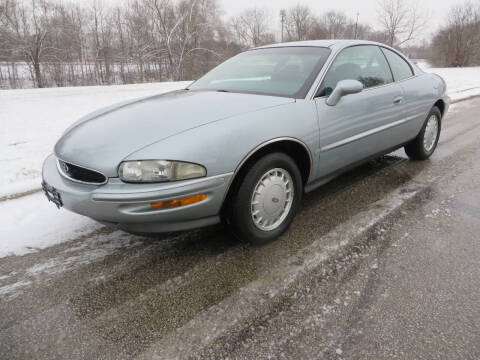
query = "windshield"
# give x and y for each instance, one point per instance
(287, 71)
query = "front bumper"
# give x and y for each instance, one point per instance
(127, 206)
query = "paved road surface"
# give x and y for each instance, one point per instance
(382, 263)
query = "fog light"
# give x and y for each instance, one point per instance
(178, 202)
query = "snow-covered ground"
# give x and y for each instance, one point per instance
(462, 83)
(32, 120)
(30, 223)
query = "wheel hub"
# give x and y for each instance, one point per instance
(431, 133)
(272, 199)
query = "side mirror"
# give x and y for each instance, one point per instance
(344, 87)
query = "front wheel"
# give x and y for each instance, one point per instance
(423, 146)
(267, 200)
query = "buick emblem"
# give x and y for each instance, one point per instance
(65, 167)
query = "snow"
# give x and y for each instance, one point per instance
(32, 120)
(11, 291)
(30, 223)
(93, 248)
(462, 83)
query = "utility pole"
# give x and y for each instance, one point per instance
(356, 26)
(282, 17)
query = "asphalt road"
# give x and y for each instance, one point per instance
(382, 263)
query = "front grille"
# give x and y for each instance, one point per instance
(81, 174)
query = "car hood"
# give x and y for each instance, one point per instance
(103, 139)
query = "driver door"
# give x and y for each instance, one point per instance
(359, 125)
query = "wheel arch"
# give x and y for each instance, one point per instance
(293, 147)
(440, 104)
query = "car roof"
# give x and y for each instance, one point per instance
(340, 43)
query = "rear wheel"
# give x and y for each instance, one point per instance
(267, 199)
(423, 146)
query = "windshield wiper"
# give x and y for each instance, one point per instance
(221, 90)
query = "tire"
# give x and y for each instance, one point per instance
(272, 187)
(422, 147)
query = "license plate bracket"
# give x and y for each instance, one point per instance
(52, 194)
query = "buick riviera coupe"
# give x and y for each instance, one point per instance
(244, 142)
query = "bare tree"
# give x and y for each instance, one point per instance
(4, 53)
(101, 30)
(458, 43)
(26, 30)
(138, 33)
(298, 22)
(335, 22)
(67, 40)
(251, 27)
(354, 30)
(318, 30)
(3, 9)
(179, 29)
(401, 20)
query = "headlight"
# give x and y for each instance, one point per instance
(159, 170)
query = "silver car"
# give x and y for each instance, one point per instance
(245, 141)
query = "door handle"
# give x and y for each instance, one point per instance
(398, 100)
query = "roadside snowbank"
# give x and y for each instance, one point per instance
(31, 223)
(462, 83)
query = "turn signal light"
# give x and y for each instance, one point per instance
(178, 202)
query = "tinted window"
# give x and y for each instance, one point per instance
(364, 63)
(400, 68)
(287, 71)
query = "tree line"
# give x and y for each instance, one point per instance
(67, 44)
(457, 43)
(46, 43)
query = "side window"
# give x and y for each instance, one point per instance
(400, 68)
(364, 63)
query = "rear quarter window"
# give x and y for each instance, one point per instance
(400, 68)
